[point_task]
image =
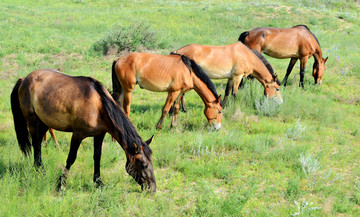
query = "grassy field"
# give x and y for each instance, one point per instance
(301, 158)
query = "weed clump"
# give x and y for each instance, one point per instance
(127, 38)
(297, 131)
(268, 107)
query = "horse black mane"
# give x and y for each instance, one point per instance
(124, 128)
(267, 64)
(199, 72)
(310, 32)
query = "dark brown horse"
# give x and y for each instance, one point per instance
(295, 43)
(49, 99)
(175, 74)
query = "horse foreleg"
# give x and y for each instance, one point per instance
(183, 104)
(169, 101)
(227, 90)
(303, 62)
(289, 69)
(98, 140)
(74, 146)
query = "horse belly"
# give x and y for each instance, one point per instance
(282, 50)
(218, 73)
(155, 86)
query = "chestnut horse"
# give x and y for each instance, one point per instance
(175, 74)
(233, 62)
(295, 43)
(49, 99)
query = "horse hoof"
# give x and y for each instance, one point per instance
(62, 184)
(98, 182)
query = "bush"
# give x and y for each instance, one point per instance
(127, 38)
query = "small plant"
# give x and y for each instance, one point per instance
(303, 208)
(296, 131)
(309, 165)
(266, 106)
(127, 38)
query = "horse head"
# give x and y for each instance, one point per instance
(272, 89)
(139, 165)
(213, 113)
(318, 70)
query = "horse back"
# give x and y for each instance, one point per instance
(217, 61)
(62, 102)
(153, 72)
(292, 42)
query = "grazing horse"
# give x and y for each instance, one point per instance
(49, 99)
(175, 74)
(233, 62)
(295, 43)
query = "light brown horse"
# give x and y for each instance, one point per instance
(175, 74)
(49, 99)
(295, 43)
(233, 62)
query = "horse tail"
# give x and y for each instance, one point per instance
(243, 36)
(117, 88)
(21, 129)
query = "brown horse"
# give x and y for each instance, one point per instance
(175, 74)
(295, 43)
(49, 99)
(233, 62)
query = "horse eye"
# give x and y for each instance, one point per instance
(219, 112)
(277, 89)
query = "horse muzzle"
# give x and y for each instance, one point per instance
(216, 126)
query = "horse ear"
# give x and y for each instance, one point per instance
(149, 140)
(218, 99)
(325, 59)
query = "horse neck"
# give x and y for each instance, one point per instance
(262, 74)
(318, 55)
(123, 132)
(202, 90)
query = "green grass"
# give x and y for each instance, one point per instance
(253, 166)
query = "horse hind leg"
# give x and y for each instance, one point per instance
(37, 131)
(289, 69)
(182, 105)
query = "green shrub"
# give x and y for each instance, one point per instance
(127, 38)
